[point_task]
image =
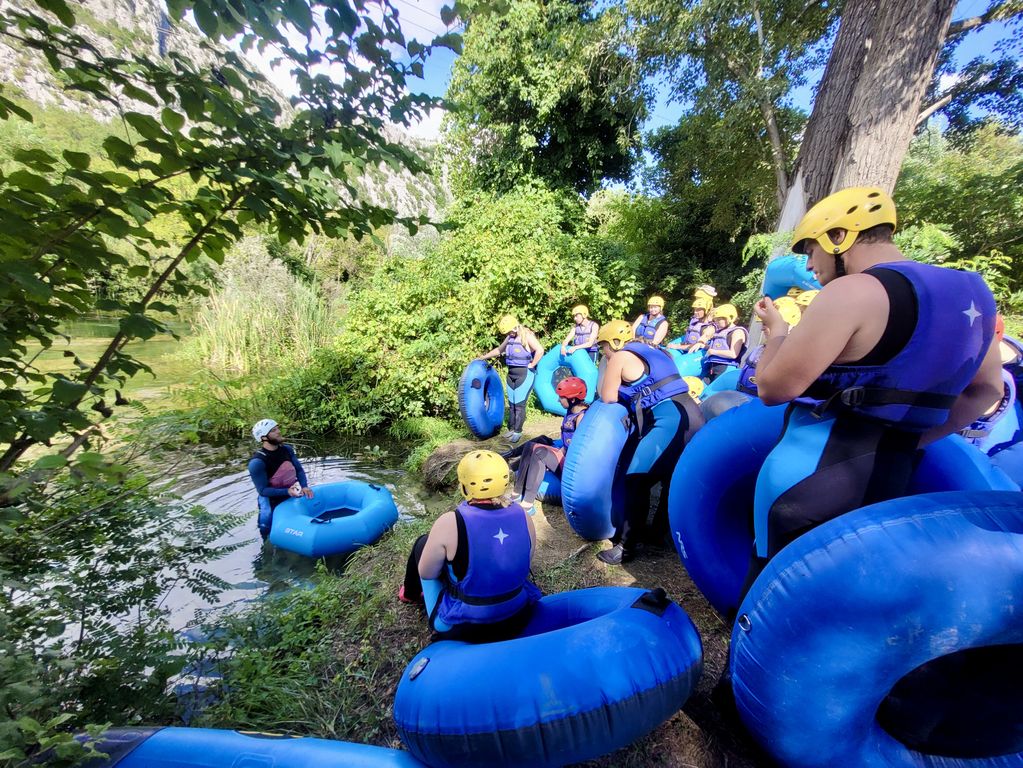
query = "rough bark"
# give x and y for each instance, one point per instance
(869, 99)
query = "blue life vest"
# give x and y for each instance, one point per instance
(748, 374)
(661, 382)
(647, 327)
(496, 585)
(516, 354)
(917, 387)
(568, 423)
(582, 333)
(695, 331)
(721, 341)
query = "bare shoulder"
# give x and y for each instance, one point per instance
(444, 523)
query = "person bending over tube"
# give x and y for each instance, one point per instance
(542, 454)
(583, 335)
(645, 380)
(275, 471)
(471, 572)
(891, 355)
(521, 352)
(652, 327)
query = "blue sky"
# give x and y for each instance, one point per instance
(421, 19)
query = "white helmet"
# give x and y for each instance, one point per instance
(262, 428)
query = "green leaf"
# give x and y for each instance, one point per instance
(206, 18)
(59, 9)
(67, 391)
(138, 271)
(118, 149)
(299, 14)
(78, 160)
(53, 461)
(172, 120)
(138, 326)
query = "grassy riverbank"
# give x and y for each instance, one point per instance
(326, 661)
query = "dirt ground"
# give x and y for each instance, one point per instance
(700, 736)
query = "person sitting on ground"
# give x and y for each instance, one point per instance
(583, 335)
(891, 355)
(275, 471)
(522, 351)
(790, 313)
(701, 327)
(471, 571)
(726, 347)
(652, 327)
(542, 454)
(645, 380)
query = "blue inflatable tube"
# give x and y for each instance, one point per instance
(898, 627)
(210, 748)
(340, 518)
(688, 363)
(481, 399)
(550, 488)
(787, 272)
(727, 381)
(710, 504)
(592, 479)
(594, 670)
(578, 362)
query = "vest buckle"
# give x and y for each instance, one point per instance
(645, 392)
(854, 396)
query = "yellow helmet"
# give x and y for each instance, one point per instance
(704, 303)
(483, 475)
(696, 386)
(805, 298)
(507, 324)
(727, 311)
(788, 309)
(854, 209)
(580, 309)
(709, 291)
(794, 291)
(616, 333)
(657, 301)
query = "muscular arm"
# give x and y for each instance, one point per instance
(660, 333)
(982, 394)
(612, 379)
(843, 324)
(440, 546)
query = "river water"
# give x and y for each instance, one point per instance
(216, 477)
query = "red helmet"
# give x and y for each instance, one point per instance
(571, 388)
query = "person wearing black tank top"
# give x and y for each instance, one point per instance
(890, 356)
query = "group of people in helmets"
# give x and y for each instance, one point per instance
(889, 356)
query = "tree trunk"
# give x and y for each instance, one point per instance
(869, 99)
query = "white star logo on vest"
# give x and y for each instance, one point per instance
(500, 535)
(971, 313)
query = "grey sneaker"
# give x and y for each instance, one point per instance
(514, 437)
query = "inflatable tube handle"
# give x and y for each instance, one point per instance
(654, 601)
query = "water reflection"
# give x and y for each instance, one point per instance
(256, 569)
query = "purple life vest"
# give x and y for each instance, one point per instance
(661, 382)
(496, 585)
(568, 425)
(515, 354)
(695, 331)
(748, 374)
(647, 328)
(721, 341)
(917, 387)
(582, 335)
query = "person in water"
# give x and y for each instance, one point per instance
(522, 351)
(652, 327)
(583, 335)
(645, 380)
(275, 471)
(790, 313)
(472, 570)
(701, 327)
(726, 346)
(542, 454)
(891, 355)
